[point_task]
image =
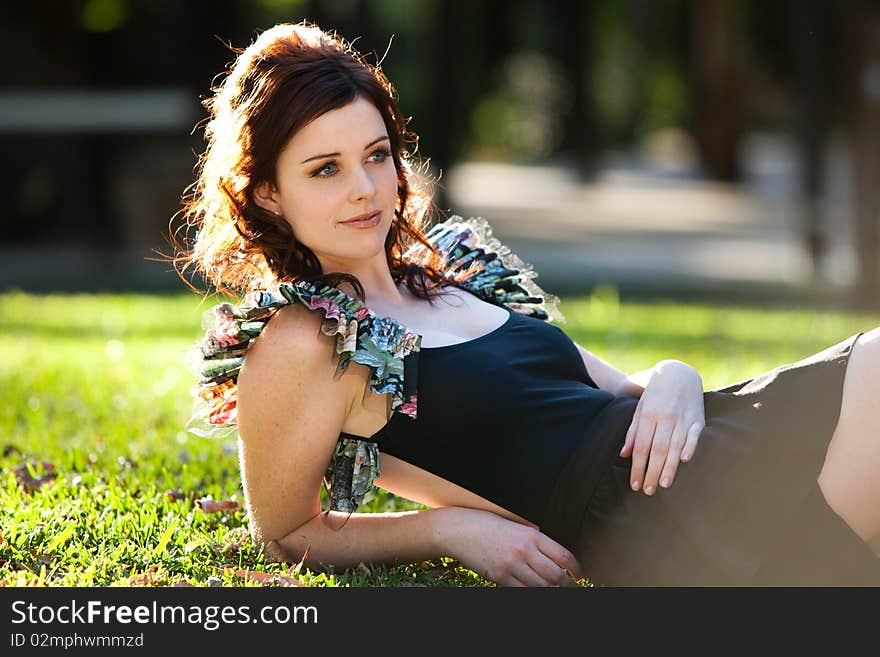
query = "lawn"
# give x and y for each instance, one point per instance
(101, 485)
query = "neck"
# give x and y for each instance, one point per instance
(379, 287)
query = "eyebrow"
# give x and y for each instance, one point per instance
(323, 155)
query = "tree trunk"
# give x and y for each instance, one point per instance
(810, 24)
(864, 39)
(717, 58)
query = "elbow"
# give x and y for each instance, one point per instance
(272, 549)
(286, 550)
(295, 547)
(276, 548)
(274, 552)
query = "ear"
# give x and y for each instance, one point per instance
(266, 196)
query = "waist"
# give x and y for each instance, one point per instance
(579, 478)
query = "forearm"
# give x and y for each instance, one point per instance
(390, 538)
(634, 384)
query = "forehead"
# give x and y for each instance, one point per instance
(347, 128)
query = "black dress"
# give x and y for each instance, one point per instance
(515, 417)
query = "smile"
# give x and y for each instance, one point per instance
(369, 222)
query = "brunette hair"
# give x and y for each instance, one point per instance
(290, 75)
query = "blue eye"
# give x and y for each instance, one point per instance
(319, 173)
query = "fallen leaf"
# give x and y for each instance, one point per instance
(266, 579)
(174, 494)
(153, 577)
(28, 475)
(262, 578)
(209, 505)
(42, 557)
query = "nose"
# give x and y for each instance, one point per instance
(362, 184)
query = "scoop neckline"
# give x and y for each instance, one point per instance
(476, 340)
(447, 347)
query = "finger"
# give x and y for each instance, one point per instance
(513, 581)
(641, 451)
(561, 557)
(693, 438)
(630, 437)
(548, 571)
(525, 573)
(659, 450)
(554, 573)
(676, 446)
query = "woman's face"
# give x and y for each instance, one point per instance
(335, 168)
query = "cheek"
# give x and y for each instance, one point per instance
(389, 181)
(306, 204)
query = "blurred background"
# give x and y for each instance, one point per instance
(726, 149)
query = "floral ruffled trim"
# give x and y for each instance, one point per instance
(379, 342)
(505, 280)
(361, 336)
(354, 466)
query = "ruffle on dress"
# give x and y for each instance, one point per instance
(505, 280)
(388, 348)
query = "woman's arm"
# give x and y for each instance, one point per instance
(344, 540)
(504, 551)
(609, 378)
(291, 410)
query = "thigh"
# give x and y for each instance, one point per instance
(851, 471)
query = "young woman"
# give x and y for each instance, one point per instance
(424, 361)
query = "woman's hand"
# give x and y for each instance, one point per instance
(666, 426)
(508, 552)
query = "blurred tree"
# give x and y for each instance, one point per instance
(717, 63)
(574, 50)
(352, 19)
(862, 34)
(810, 26)
(464, 46)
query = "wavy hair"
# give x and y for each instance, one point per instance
(290, 75)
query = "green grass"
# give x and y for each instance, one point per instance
(97, 387)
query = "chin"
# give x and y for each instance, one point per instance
(362, 249)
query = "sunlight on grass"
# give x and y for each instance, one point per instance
(97, 387)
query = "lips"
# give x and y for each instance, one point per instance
(362, 217)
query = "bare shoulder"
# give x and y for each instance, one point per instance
(291, 409)
(292, 329)
(291, 356)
